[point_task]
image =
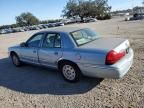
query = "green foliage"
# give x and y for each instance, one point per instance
(71, 8)
(86, 8)
(104, 17)
(27, 19)
(44, 22)
(50, 21)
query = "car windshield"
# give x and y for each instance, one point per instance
(84, 36)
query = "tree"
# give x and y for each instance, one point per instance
(102, 7)
(70, 9)
(26, 19)
(86, 8)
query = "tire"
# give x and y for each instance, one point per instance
(15, 59)
(70, 72)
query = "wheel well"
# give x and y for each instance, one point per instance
(12, 52)
(66, 61)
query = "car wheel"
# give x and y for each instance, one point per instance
(70, 72)
(15, 60)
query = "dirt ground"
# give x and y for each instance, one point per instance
(36, 87)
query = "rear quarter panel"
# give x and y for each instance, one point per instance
(81, 55)
(95, 57)
(84, 56)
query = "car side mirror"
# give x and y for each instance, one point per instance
(23, 44)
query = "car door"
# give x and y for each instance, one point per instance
(51, 50)
(29, 53)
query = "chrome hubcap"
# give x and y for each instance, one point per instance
(15, 60)
(69, 72)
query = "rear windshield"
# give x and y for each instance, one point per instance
(84, 36)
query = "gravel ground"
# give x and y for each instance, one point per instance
(36, 87)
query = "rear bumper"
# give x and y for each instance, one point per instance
(116, 71)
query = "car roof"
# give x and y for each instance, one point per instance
(63, 29)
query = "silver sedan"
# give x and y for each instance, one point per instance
(75, 52)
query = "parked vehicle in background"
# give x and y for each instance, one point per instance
(75, 52)
(78, 19)
(16, 30)
(51, 25)
(87, 20)
(25, 28)
(9, 30)
(34, 28)
(69, 21)
(59, 24)
(127, 19)
(21, 30)
(44, 26)
(139, 16)
(3, 31)
(40, 26)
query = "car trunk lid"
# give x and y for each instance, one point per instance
(107, 44)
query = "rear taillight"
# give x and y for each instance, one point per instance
(112, 57)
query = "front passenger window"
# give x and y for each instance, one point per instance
(35, 41)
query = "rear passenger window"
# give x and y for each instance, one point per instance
(52, 41)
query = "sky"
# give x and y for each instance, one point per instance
(48, 9)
